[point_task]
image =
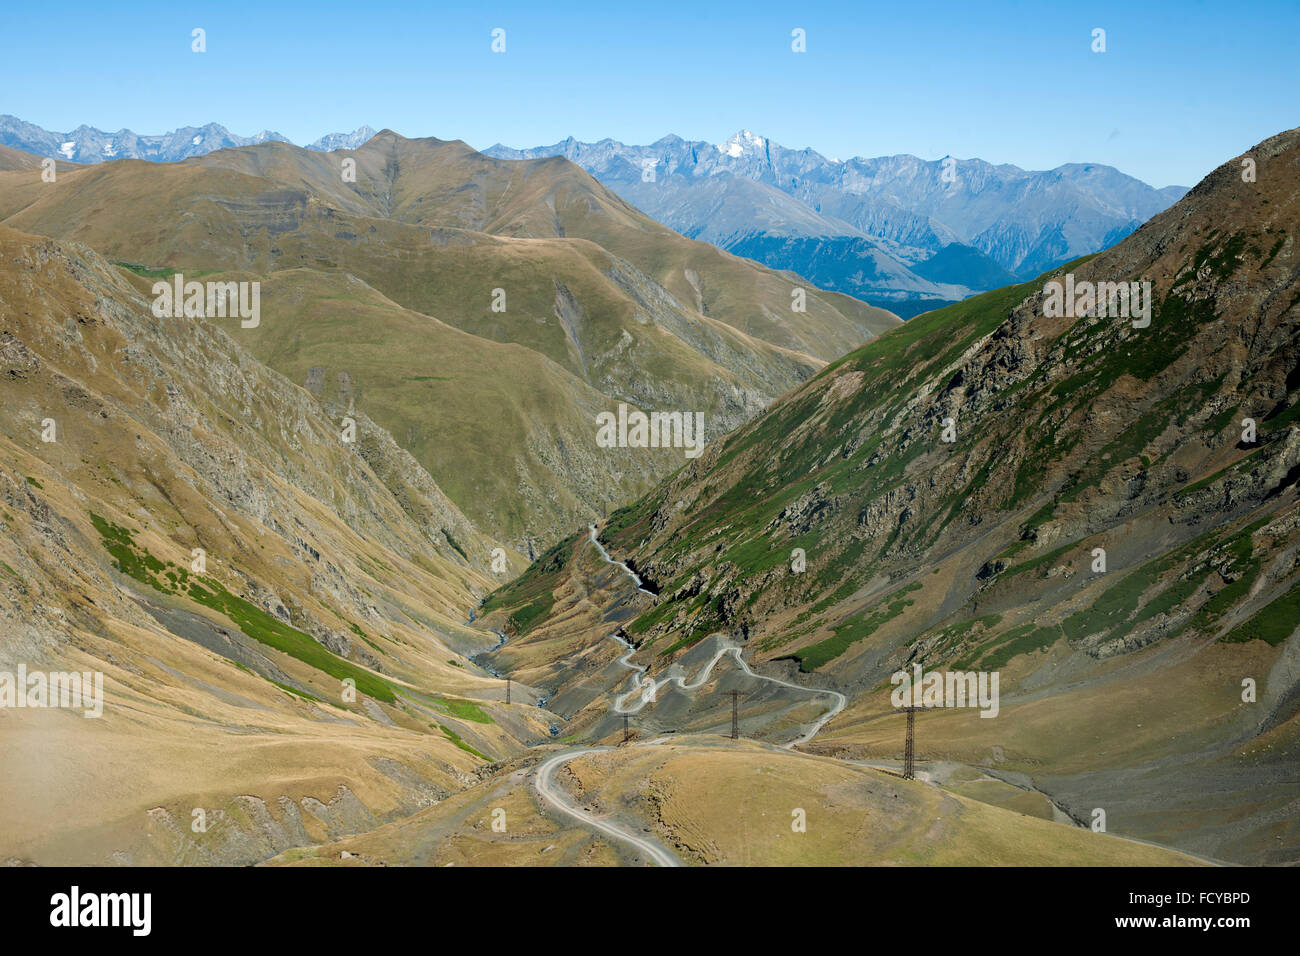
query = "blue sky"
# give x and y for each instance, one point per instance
(1182, 86)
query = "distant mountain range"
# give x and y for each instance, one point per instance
(893, 230)
(85, 144)
(897, 231)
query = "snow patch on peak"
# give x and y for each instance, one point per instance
(743, 142)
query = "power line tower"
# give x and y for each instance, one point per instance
(507, 690)
(735, 714)
(909, 748)
(627, 730)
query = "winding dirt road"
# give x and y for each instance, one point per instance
(554, 794)
(636, 578)
(727, 647)
(544, 779)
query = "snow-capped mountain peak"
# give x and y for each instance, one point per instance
(742, 143)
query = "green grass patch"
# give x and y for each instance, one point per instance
(455, 739)
(854, 628)
(1041, 560)
(1272, 624)
(1279, 421)
(138, 563)
(273, 632)
(464, 709)
(1244, 565)
(532, 594)
(1027, 642)
(694, 636)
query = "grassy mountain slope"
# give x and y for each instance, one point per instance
(1121, 688)
(447, 185)
(610, 306)
(226, 685)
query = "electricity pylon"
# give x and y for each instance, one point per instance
(909, 748)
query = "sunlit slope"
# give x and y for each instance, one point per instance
(715, 802)
(512, 436)
(276, 613)
(440, 184)
(1121, 687)
(533, 254)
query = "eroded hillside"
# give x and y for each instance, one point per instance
(275, 612)
(1101, 510)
